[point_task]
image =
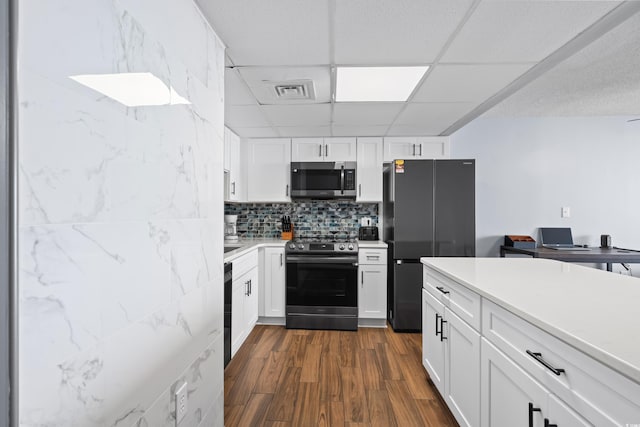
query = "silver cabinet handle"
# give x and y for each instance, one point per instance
(287, 191)
(280, 260)
(420, 145)
(373, 257)
(359, 190)
(320, 150)
(246, 286)
(326, 150)
(233, 188)
(414, 149)
(362, 279)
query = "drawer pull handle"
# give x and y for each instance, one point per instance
(548, 424)
(531, 411)
(443, 290)
(438, 317)
(538, 357)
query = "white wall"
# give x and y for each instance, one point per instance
(120, 214)
(528, 168)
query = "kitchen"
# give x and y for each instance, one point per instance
(120, 220)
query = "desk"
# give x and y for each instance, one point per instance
(594, 255)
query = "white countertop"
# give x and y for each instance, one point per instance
(595, 311)
(378, 244)
(244, 246)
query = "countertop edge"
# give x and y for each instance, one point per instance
(248, 246)
(629, 371)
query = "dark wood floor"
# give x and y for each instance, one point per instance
(373, 377)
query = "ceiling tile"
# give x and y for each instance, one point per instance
(244, 116)
(467, 83)
(255, 78)
(346, 130)
(522, 31)
(298, 115)
(401, 32)
(236, 91)
(365, 113)
(432, 118)
(304, 131)
(271, 32)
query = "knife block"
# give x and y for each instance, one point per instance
(287, 235)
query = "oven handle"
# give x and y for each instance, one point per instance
(322, 260)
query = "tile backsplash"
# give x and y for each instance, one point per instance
(310, 218)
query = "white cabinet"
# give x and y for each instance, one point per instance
(268, 170)
(244, 298)
(409, 147)
(232, 165)
(369, 179)
(372, 293)
(273, 283)
(451, 356)
(323, 149)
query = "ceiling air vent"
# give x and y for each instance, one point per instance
(292, 90)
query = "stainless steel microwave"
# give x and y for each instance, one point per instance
(323, 180)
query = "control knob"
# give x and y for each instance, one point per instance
(300, 246)
(350, 246)
(292, 245)
(341, 247)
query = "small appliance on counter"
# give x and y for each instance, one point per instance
(519, 242)
(230, 229)
(287, 228)
(367, 231)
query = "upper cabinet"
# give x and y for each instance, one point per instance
(323, 149)
(268, 170)
(369, 170)
(425, 147)
(233, 168)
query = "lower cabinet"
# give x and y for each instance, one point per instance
(451, 356)
(273, 283)
(244, 303)
(372, 287)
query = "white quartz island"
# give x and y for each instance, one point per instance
(569, 330)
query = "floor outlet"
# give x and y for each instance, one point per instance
(181, 403)
(566, 212)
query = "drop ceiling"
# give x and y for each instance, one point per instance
(482, 55)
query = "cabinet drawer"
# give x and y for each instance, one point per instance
(372, 256)
(457, 298)
(601, 395)
(245, 263)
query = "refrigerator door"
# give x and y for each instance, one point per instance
(413, 209)
(406, 306)
(455, 214)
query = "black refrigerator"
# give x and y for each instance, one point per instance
(428, 210)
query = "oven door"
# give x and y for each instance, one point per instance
(322, 292)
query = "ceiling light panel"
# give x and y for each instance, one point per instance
(519, 31)
(397, 32)
(376, 84)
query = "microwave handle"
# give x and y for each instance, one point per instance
(342, 180)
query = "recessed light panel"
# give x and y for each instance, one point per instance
(371, 84)
(132, 89)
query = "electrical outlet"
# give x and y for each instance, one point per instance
(181, 403)
(566, 212)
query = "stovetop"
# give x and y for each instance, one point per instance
(322, 245)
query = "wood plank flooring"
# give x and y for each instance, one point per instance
(291, 378)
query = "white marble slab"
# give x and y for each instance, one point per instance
(592, 310)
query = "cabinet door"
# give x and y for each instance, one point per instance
(340, 149)
(372, 295)
(227, 148)
(369, 157)
(562, 416)
(251, 300)
(307, 149)
(462, 370)
(428, 147)
(268, 170)
(274, 282)
(399, 148)
(509, 397)
(432, 344)
(238, 322)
